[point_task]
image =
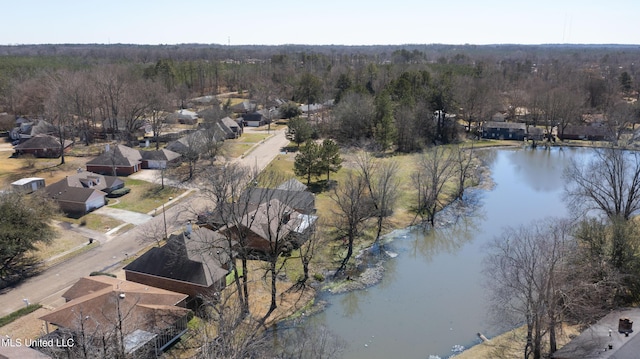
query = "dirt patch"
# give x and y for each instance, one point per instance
(27, 327)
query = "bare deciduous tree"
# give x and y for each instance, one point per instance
(464, 163)
(382, 184)
(435, 169)
(308, 342)
(353, 208)
(524, 270)
(224, 185)
(608, 183)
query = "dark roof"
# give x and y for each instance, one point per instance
(292, 185)
(196, 258)
(301, 201)
(42, 142)
(229, 122)
(255, 116)
(509, 125)
(159, 155)
(118, 155)
(244, 106)
(586, 130)
(196, 140)
(591, 343)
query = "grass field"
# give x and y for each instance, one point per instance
(144, 196)
(237, 147)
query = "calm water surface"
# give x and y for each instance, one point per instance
(431, 297)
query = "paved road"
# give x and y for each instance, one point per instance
(47, 287)
(264, 153)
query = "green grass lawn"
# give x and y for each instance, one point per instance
(237, 147)
(144, 196)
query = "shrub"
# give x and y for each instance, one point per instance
(19, 313)
(93, 274)
(319, 277)
(119, 192)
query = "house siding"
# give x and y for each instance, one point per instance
(94, 202)
(504, 133)
(108, 170)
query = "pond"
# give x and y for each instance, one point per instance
(431, 299)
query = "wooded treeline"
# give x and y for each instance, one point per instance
(384, 94)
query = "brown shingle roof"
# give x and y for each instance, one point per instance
(118, 155)
(97, 303)
(196, 258)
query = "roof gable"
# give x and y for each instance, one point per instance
(95, 301)
(196, 258)
(118, 155)
(42, 142)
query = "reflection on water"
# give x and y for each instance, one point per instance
(431, 296)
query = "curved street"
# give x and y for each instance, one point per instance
(47, 287)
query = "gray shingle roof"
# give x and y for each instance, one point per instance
(41, 142)
(118, 155)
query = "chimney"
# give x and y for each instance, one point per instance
(189, 228)
(286, 216)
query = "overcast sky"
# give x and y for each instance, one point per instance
(320, 22)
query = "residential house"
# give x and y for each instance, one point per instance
(498, 117)
(311, 108)
(272, 224)
(234, 126)
(244, 107)
(195, 262)
(291, 192)
(22, 131)
(25, 129)
(158, 159)
(83, 192)
(44, 146)
(611, 337)
(197, 141)
(103, 309)
(28, 185)
(20, 351)
(301, 201)
(504, 130)
(118, 160)
(183, 116)
(584, 132)
(254, 119)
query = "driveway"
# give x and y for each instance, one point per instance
(123, 215)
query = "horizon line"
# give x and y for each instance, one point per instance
(318, 45)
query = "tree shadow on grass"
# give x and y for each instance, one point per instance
(322, 186)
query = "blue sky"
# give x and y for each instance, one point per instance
(320, 22)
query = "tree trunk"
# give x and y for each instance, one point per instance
(343, 265)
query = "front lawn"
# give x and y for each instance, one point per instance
(93, 221)
(144, 196)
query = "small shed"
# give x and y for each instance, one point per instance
(28, 185)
